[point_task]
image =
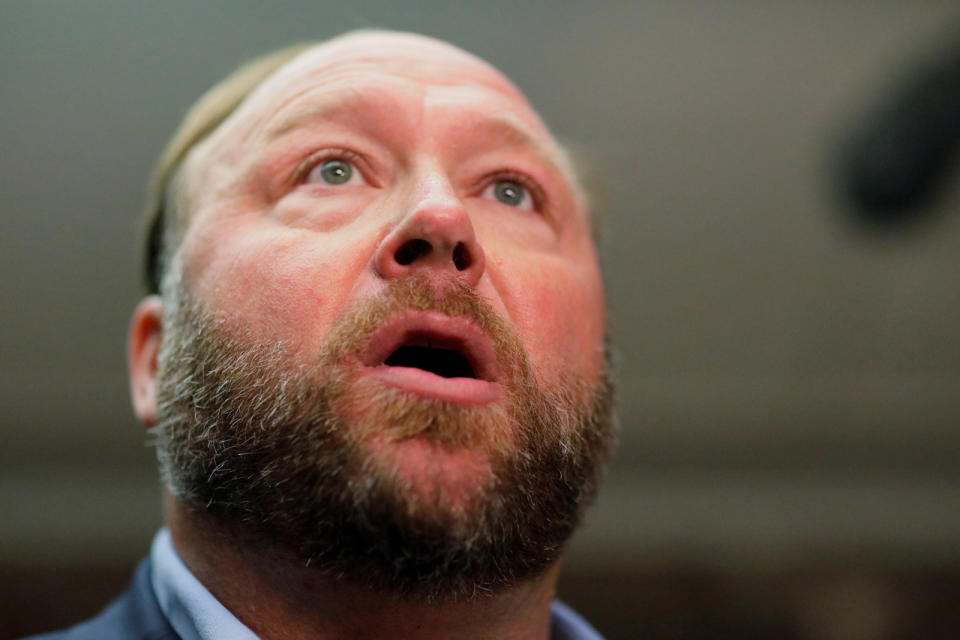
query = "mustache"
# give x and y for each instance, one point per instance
(353, 330)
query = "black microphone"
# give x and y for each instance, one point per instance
(902, 153)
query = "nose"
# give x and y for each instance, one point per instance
(436, 236)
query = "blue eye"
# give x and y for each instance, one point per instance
(335, 171)
(510, 193)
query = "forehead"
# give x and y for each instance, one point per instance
(361, 74)
(395, 54)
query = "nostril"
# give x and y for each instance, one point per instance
(461, 257)
(411, 250)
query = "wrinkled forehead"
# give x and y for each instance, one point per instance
(404, 55)
(368, 61)
(366, 65)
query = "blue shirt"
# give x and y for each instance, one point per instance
(195, 614)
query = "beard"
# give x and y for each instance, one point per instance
(297, 453)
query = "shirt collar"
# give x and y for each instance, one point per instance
(195, 614)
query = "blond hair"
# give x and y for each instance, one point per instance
(203, 118)
(165, 210)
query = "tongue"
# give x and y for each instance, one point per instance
(447, 363)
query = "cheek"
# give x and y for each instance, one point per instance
(560, 314)
(280, 284)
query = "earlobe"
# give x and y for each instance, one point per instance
(143, 347)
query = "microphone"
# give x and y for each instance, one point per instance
(900, 156)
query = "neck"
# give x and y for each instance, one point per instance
(280, 599)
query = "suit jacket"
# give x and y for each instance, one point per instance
(135, 615)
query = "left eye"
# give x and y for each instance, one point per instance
(334, 172)
(510, 193)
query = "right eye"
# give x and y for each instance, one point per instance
(336, 172)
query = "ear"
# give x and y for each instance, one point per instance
(143, 346)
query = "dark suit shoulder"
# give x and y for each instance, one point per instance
(135, 615)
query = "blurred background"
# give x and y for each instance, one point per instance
(780, 230)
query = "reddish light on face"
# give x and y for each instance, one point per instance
(380, 157)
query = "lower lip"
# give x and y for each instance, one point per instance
(467, 391)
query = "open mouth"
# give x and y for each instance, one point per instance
(433, 354)
(423, 352)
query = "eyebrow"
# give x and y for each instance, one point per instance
(502, 126)
(329, 106)
(511, 129)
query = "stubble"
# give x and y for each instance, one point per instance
(292, 451)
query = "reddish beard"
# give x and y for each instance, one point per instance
(300, 454)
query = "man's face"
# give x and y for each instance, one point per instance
(387, 219)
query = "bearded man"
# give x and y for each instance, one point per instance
(373, 356)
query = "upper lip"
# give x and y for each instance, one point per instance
(437, 330)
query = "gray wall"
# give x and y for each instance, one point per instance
(788, 379)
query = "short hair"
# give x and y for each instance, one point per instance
(164, 204)
(201, 120)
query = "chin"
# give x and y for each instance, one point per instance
(435, 478)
